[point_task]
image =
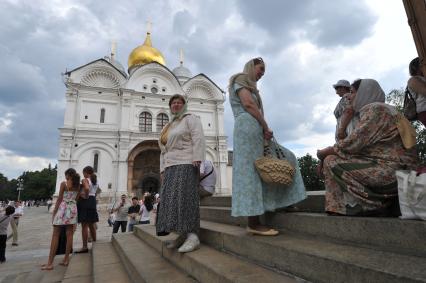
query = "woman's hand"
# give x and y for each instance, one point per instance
(341, 135)
(196, 163)
(268, 134)
(323, 153)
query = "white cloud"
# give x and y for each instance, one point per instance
(307, 47)
(12, 165)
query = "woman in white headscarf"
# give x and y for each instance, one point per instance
(183, 147)
(359, 170)
(250, 196)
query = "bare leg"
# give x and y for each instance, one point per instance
(92, 228)
(70, 234)
(85, 234)
(53, 247)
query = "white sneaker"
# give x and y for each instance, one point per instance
(171, 244)
(191, 244)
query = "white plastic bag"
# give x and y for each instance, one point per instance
(411, 194)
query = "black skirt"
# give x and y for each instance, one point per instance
(179, 201)
(86, 209)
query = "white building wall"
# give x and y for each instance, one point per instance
(114, 139)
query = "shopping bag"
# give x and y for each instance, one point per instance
(411, 194)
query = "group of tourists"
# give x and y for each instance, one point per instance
(124, 214)
(373, 140)
(76, 203)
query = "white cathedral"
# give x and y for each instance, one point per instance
(113, 120)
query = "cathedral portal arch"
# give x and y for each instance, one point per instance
(144, 168)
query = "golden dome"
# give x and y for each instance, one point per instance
(145, 53)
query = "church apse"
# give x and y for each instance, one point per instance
(144, 169)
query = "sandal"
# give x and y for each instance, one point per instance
(270, 232)
(47, 267)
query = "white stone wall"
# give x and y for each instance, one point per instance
(99, 86)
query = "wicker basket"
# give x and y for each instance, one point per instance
(274, 170)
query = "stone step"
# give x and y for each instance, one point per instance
(391, 234)
(209, 265)
(15, 278)
(145, 264)
(221, 215)
(107, 266)
(314, 259)
(79, 269)
(313, 203)
(47, 276)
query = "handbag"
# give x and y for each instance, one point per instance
(409, 107)
(273, 167)
(411, 194)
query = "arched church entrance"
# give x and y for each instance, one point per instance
(144, 168)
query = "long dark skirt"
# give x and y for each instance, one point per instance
(86, 209)
(180, 211)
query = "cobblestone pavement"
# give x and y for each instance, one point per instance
(34, 235)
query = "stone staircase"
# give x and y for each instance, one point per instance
(312, 247)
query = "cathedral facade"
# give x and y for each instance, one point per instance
(113, 120)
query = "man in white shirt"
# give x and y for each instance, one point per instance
(121, 209)
(207, 179)
(19, 211)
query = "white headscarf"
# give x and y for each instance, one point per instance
(247, 79)
(369, 91)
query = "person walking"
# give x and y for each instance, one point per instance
(4, 223)
(182, 145)
(19, 212)
(64, 214)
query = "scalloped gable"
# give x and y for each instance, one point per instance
(201, 86)
(98, 73)
(154, 75)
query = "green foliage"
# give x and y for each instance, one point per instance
(308, 169)
(37, 185)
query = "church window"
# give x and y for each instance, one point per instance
(154, 90)
(102, 120)
(95, 162)
(86, 117)
(162, 120)
(145, 122)
(163, 89)
(154, 81)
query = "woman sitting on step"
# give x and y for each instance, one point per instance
(360, 169)
(182, 147)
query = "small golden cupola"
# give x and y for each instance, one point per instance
(144, 54)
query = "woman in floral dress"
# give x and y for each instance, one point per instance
(360, 169)
(251, 197)
(64, 214)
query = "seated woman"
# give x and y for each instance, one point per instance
(417, 87)
(359, 170)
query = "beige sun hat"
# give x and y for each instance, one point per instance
(343, 83)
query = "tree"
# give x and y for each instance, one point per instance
(37, 185)
(308, 166)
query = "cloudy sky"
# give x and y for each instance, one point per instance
(307, 45)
